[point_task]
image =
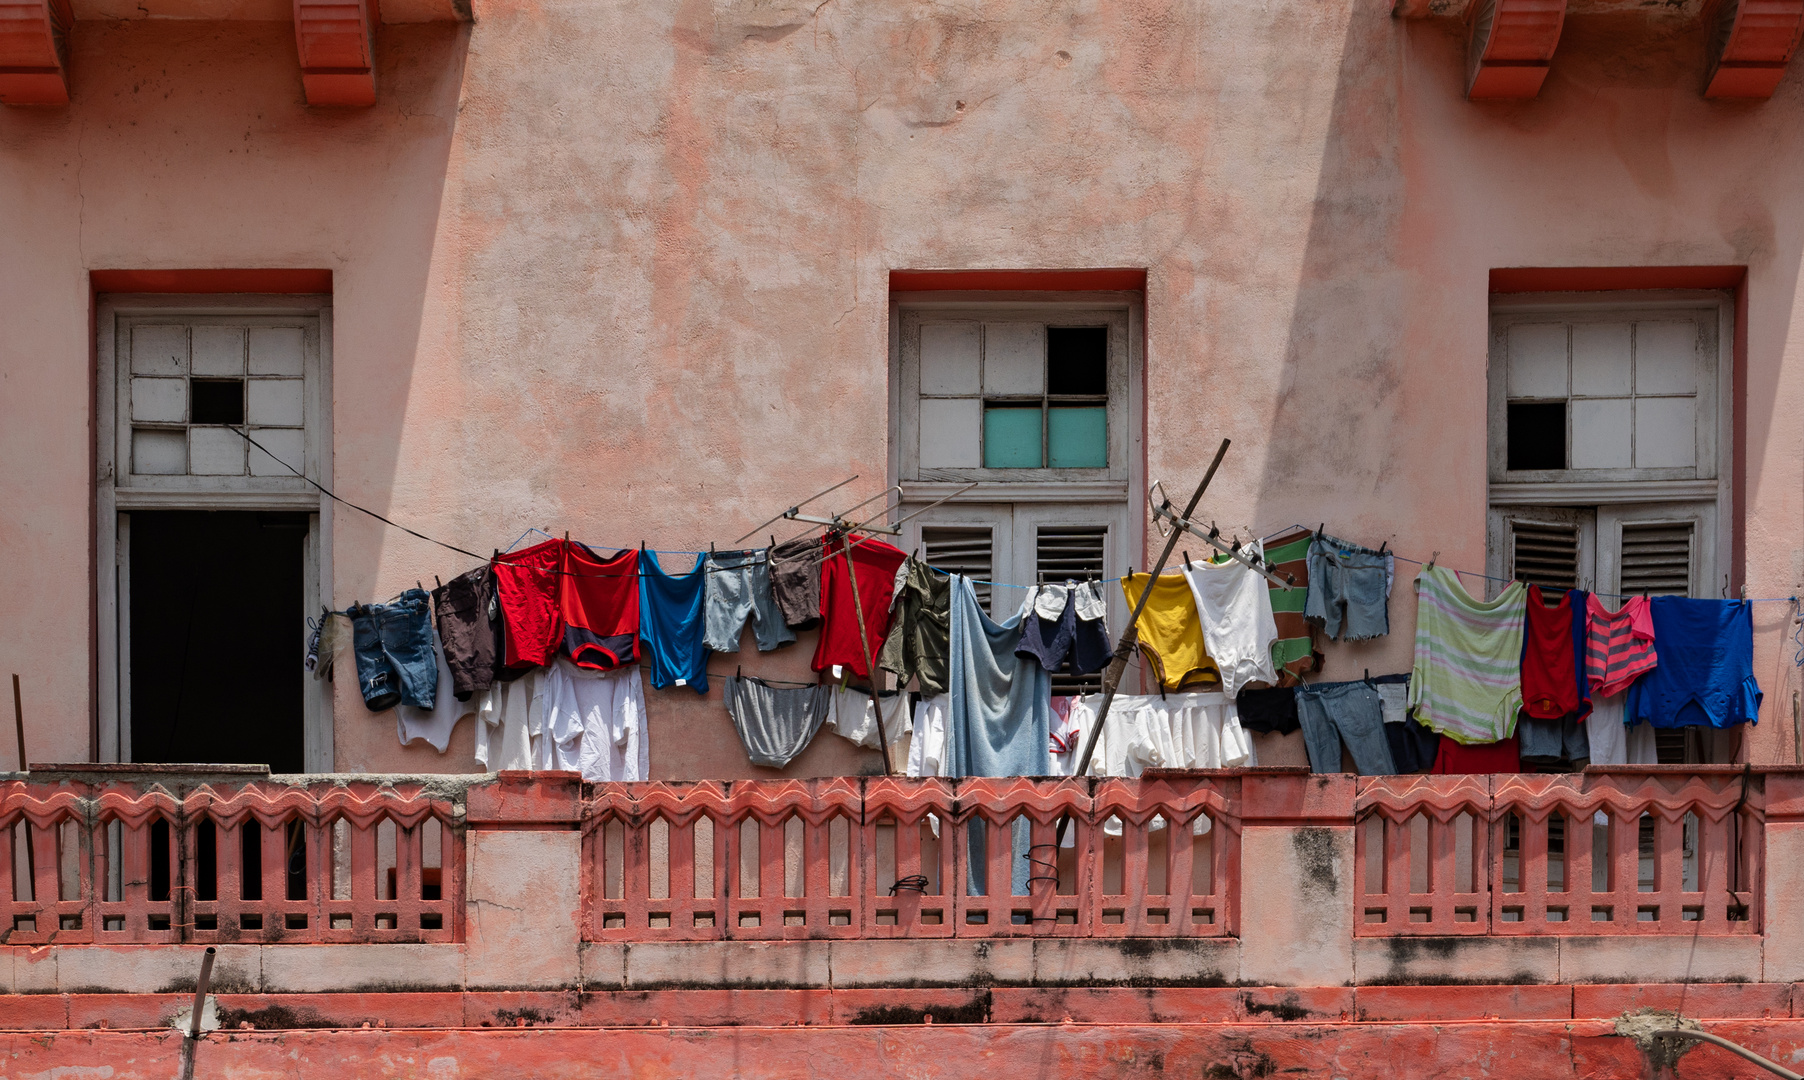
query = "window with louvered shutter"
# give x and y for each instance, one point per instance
(1546, 554)
(1071, 553)
(1656, 558)
(967, 550)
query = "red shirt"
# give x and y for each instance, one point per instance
(1549, 670)
(1497, 757)
(876, 564)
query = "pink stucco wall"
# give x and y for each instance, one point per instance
(623, 270)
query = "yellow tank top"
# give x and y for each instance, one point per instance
(1171, 631)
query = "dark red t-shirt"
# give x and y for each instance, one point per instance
(876, 564)
(1497, 757)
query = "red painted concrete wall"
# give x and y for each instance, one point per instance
(624, 269)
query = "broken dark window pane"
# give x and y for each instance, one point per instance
(1537, 435)
(216, 401)
(1077, 360)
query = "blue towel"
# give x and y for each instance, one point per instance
(1706, 670)
(670, 624)
(1000, 721)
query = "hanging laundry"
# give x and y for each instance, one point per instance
(1062, 627)
(920, 634)
(1550, 676)
(1000, 703)
(1619, 645)
(1171, 630)
(528, 584)
(1642, 744)
(1235, 605)
(593, 722)
(670, 625)
(1294, 652)
(1467, 680)
(928, 753)
(1268, 711)
(600, 607)
(1706, 670)
(738, 588)
(795, 581)
(1349, 713)
(775, 723)
(1502, 756)
(467, 632)
(510, 733)
(1152, 731)
(396, 664)
(850, 715)
(840, 644)
(1413, 747)
(1604, 731)
(1065, 743)
(1349, 589)
(433, 726)
(335, 636)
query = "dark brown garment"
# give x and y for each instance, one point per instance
(920, 639)
(468, 631)
(795, 581)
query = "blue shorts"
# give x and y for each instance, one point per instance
(393, 645)
(1349, 590)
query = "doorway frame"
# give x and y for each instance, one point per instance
(114, 505)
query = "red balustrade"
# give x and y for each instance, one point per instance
(1619, 850)
(166, 861)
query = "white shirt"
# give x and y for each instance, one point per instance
(509, 731)
(1235, 604)
(594, 721)
(433, 726)
(928, 754)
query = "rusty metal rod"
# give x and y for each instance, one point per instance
(192, 1038)
(1111, 679)
(1717, 1040)
(19, 720)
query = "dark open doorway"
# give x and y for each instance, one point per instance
(217, 611)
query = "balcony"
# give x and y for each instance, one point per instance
(465, 900)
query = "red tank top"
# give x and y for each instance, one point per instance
(1549, 673)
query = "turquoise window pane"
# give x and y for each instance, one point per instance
(1078, 438)
(1011, 438)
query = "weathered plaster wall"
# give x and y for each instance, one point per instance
(622, 270)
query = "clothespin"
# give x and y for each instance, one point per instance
(1382, 546)
(1187, 565)
(773, 540)
(1320, 530)
(437, 582)
(417, 585)
(1431, 561)
(710, 547)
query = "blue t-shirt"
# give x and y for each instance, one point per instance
(1706, 670)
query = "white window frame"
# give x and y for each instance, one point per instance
(1088, 309)
(1703, 494)
(1013, 502)
(117, 492)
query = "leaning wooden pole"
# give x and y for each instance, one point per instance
(1124, 649)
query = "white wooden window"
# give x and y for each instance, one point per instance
(1605, 392)
(1016, 392)
(180, 376)
(1653, 549)
(1036, 402)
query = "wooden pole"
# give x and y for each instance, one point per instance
(1111, 679)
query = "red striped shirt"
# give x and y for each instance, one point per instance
(1619, 645)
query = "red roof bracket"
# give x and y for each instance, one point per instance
(1750, 44)
(34, 52)
(337, 41)
(1512, 44)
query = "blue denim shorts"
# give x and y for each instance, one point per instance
(393, 645)
(1349, 590)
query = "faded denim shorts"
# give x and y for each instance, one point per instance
(1349, 712)
(738, 587)
(1349, 590)
(393, 645)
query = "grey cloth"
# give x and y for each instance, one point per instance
(1349, 589)
(1000, 718)
(795, 581)
(736, 588)
(1561, 741)
(1349, 712)
(775, 724)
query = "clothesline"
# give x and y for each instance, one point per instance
(975, 581)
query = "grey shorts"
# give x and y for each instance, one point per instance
(1349, 712)
(1349, 590)
(735, 588)
(1565, 740)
